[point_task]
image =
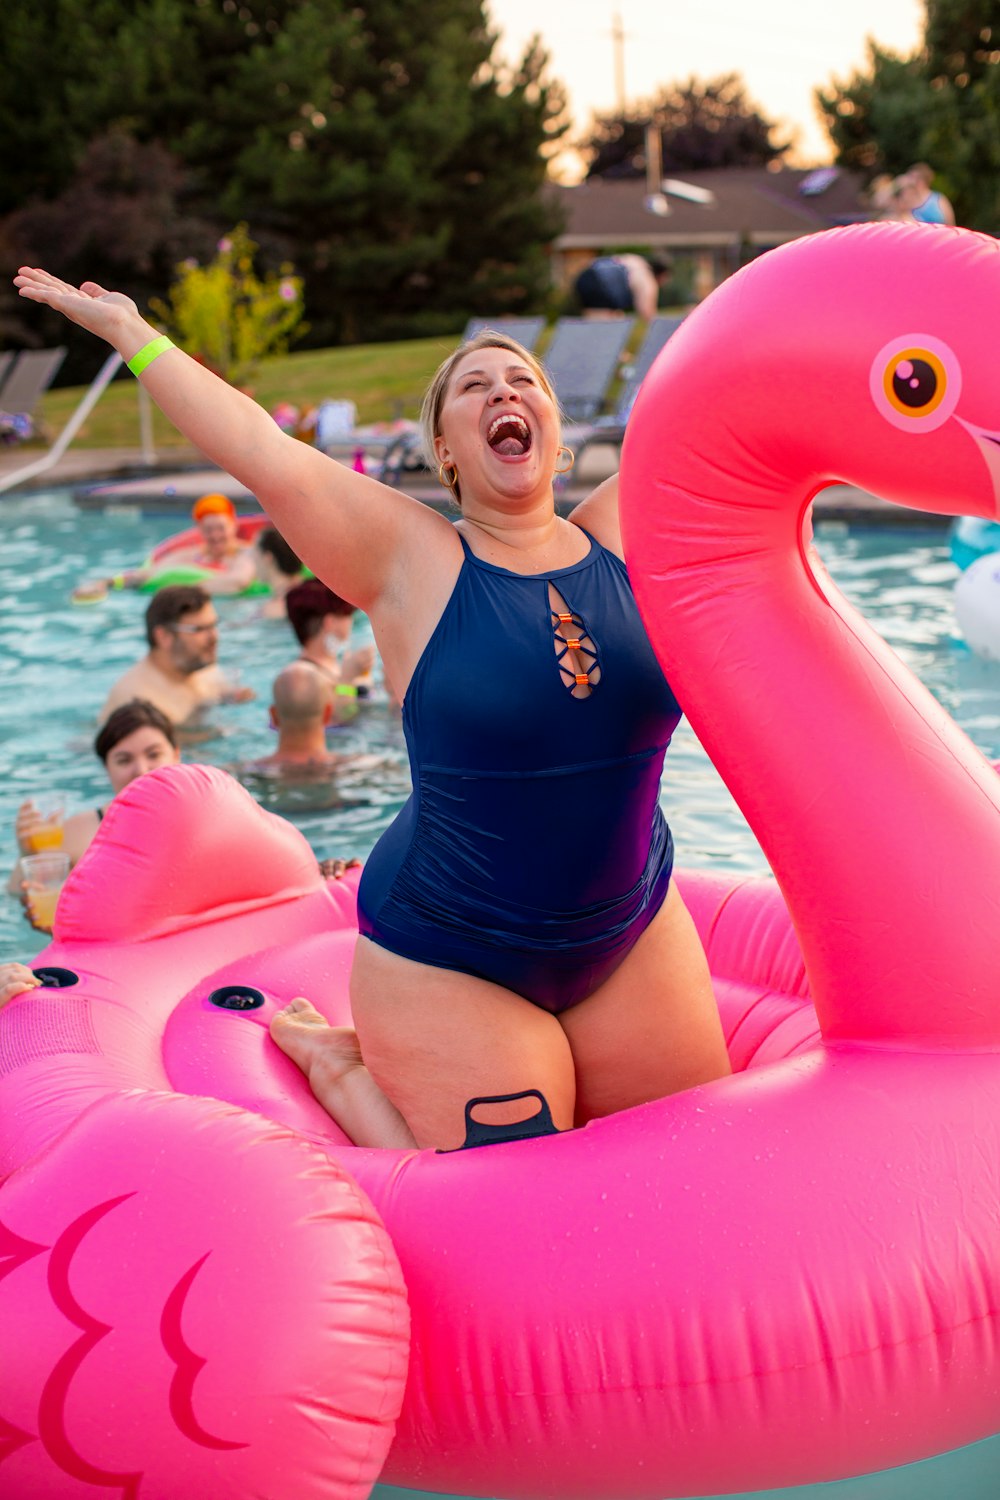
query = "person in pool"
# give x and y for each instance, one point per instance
(519, 928)
(322, 624)
(277, 566)
(136, 738)
(228, 561)
(180, 671)
(300, 713)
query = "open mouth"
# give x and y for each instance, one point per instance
(509, 435)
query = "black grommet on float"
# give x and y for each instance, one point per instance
(56, 979)
(237, 997)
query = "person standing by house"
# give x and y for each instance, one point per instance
(919, 198)
(615, 284)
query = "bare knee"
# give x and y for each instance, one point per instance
(434, 1039)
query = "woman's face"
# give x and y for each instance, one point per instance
(499, 426)
(141, 751)
(218, 533)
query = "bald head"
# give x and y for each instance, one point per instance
(300, 696)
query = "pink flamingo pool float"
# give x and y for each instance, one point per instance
(782, 1280)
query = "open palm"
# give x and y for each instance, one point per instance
(89, 305)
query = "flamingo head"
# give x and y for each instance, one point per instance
(865, 355)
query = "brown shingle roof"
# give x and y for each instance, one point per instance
(752, 204)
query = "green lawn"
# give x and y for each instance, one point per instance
(383, 380)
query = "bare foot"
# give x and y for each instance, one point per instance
(319, 1049)
(330, 1057)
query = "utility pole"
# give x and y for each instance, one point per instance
(618, 42)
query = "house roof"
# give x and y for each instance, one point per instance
(750, 204)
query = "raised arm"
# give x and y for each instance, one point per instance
(598, 514)
(352, 531)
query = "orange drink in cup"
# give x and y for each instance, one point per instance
(44, 877)
(48, 833)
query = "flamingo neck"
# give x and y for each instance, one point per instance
(875, 812)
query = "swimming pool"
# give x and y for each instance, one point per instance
(58, 659)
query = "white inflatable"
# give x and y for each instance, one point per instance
(977, 605)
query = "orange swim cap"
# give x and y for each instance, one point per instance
(213, 505)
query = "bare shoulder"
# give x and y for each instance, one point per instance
(598, 514)
(428, 559)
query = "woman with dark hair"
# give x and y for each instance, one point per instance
(134, 739)
(277, 566)
(322, 623)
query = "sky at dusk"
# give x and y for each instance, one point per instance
(783, 49)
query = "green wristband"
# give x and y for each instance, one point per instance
(149, 352)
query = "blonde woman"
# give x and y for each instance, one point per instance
(519, 927)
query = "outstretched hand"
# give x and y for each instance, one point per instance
(99, 311)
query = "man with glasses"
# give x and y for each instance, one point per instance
(180, 671)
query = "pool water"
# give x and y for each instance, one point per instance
(58, 659)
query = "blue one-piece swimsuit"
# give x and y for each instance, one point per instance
(532, 851)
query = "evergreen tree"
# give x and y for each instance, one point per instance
(942, 105)
(373, 142)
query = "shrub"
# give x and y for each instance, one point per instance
(228, 316)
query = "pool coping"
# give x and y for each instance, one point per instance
(103, 478)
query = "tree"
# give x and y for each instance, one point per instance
(876, 118)
(942, 105)
(701, 125)
(120, 222)
(376, 144)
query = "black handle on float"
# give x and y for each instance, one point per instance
(480, 1133)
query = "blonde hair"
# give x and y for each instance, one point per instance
(433, 403)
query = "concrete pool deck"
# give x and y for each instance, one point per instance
(111, 477)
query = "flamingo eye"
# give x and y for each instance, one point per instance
(916, 382)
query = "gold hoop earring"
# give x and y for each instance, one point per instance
(572, 460)
(449, 484)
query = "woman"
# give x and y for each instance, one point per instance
(519, 927)
(278, 567)
(134, 739)
(229, 562)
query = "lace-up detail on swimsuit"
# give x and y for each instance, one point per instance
(576, 650)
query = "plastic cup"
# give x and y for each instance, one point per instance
(44, 875)
(48, 834)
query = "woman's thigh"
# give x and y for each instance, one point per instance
(433, 1039)
(653, 1027)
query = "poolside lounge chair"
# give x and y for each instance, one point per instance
(611, 428)
(582, 360)
(33, 373)
(6, 360)
(526, 331)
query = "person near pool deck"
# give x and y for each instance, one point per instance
(134, 739)
(530, 937)
(180, 671)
